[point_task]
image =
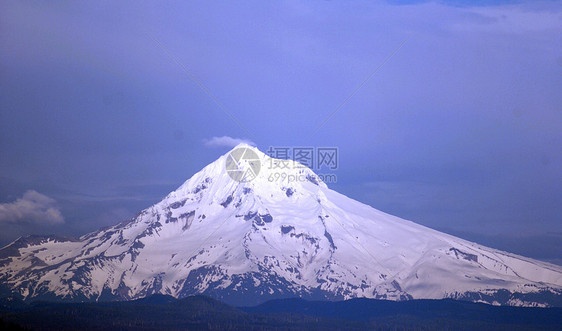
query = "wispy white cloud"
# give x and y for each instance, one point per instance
(226, 141)
(32, 207)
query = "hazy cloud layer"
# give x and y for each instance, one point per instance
(32, 207)
(226, 141)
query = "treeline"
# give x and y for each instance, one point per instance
(203, 313)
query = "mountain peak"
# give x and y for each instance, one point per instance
(248, 228)
(247, 178)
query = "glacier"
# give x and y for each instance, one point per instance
(249, 242)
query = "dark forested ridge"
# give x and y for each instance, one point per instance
(420, 312)
(203, 313)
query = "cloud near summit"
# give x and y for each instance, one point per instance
(226, 141)
(32, 207)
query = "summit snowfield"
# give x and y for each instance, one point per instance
(248, 242)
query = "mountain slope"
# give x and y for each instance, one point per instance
(247, 242)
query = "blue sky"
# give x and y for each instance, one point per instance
(459, 130)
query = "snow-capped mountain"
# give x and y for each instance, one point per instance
(246, 242)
